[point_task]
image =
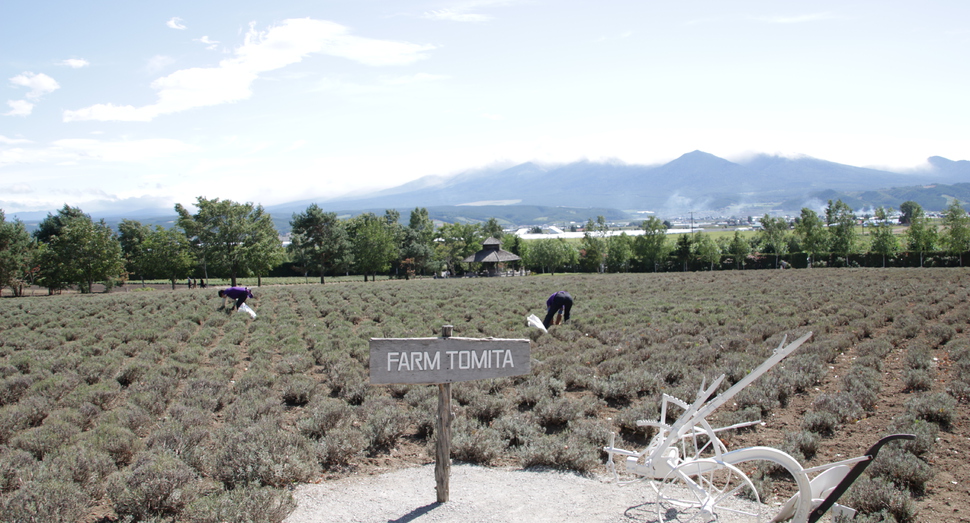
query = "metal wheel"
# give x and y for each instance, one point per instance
(709, 490)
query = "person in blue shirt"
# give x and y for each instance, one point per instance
(235, 293)
(560, 302)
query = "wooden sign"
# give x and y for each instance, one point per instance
(446, 360)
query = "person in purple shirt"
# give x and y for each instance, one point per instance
(235, 293)
(559, 302)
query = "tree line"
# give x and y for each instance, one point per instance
(229, 240)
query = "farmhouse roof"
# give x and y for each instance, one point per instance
(492, 253)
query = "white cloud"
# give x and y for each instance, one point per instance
(18, 188)
(456, 16)
(19, 108)
(796, 19)
(78, 151)
(413, 79)
(131, 151)
(175, 23)
(75, 63)
(230, 81)
(296, 145)
(12, 141)
(158, 62)
(210, 44)
(39, 84)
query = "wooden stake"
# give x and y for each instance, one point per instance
(442, 467)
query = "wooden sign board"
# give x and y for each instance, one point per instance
(446, 360)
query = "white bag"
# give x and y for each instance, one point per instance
(246, 308)
(536, 322)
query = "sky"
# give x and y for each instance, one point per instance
(121, 105)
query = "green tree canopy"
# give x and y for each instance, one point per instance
(810, 230)
(418, 244)
(78, 251)
(884, 242)
(17, 255)
(233, 239)
(707, 249)
(322, 239)
(652, 248)
(842, 234)
(550, 254)
(167, 252)
(457, 242)
(921, 236)
(739, 249)
(956, 223)
(774, 236)
(375, 243)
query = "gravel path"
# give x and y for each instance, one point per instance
(477, 494)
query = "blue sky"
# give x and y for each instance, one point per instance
(127, 105)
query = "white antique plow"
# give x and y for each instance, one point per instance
(700, 480)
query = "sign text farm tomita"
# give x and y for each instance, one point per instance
(446, 360)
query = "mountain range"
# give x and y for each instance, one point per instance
(697, 182)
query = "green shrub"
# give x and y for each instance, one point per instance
(917, 380)
(49, 501)
(260, 454)
(903, 469)
(297, 389)
(804, 442)
(85, 466)
(241, 505)
(876, 495)
(820, 422)
(17, 467)
(473, 442)
(322, 416)
(156, 484)
(118, 442)
(571, 454)
(937, 407)
(384, 423)
(45, 438)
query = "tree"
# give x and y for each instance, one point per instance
(909, 209)
(593, 245)
(957, 230)
(17, 256)
(652, 247)
(739, 249)
(921, 236)
(322, 239)
(418, 244)
(707, 249)
(550, 254)
(811, 231)
(131, 235)
(457, 242)
(773, 236)
(235, 239)
(492, 229)
(842, 234)
(78, 251)
(684, 250)
(374, 244)
(619, 252)
(166, 252)
(884, 242)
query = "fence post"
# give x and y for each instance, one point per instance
(442, 467)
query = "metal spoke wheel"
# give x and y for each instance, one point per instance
(709, 490)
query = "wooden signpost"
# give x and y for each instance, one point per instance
(443, 361)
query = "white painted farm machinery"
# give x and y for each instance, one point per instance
(695, 478)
